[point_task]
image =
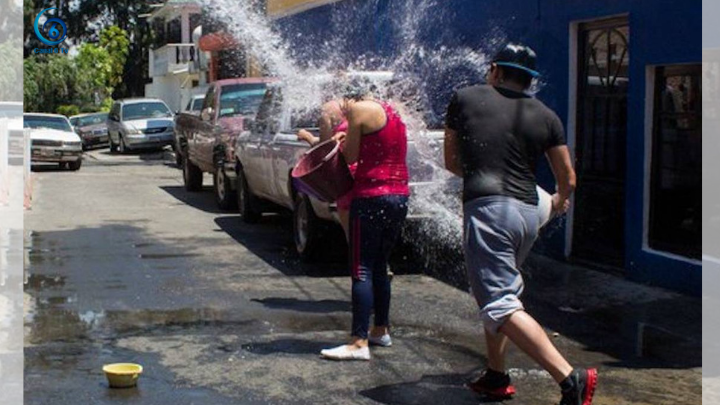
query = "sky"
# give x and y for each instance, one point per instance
(710, 26)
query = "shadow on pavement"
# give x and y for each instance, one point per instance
(294, 304)
(433, 389)
(287, 346)
(271, 240)
(202, 200)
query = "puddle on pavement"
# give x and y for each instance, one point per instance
(166, 255)
(48, 321)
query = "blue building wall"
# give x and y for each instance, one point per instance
(661, 32)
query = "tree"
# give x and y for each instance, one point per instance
(86, 20)
(115, 41)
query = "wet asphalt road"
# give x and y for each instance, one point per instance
(125, 266)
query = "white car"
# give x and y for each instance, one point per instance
(141, 123)
(53, 140)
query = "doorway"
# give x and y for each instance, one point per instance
(603, 69)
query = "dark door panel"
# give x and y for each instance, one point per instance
(599, 222)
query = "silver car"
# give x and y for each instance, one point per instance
(140, 123)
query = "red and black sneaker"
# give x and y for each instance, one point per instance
(494, 385)
(579, 387)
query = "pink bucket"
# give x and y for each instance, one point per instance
(323, 173)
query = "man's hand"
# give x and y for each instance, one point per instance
(560, 205)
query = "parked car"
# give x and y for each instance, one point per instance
(92, 128)
(267, 152)
(53, 140)
(140, 123)
(206, 142)
(194, 106)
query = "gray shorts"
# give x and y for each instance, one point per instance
(499, 233)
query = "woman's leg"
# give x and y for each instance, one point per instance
(365, 237)
(395, 209)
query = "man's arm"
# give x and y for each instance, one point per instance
(561, 164)
(452, 153)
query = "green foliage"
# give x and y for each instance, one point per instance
(84, 83)
(68, 110)
(87, 18)
(98, 65)
(115, 41)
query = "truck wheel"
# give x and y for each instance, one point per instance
(75, 166)
(224, 193)
(178, 155)
(192, 176)
(246, 202)
(305, 228)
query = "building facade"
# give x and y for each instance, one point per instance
(625, 78)
(177, 67)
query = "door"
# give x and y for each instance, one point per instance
(204, 134)
(257, 165)
(599, 218)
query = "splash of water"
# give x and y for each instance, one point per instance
(411, 60)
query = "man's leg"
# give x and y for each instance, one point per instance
(523, 330)
(496, 349)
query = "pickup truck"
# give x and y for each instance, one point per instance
(206, 142)
(267, 151)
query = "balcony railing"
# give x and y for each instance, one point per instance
(173, 58)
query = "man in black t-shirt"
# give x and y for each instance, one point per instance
(494, 136)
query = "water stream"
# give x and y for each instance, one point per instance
(421, 68)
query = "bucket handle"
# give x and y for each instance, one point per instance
(321, 144)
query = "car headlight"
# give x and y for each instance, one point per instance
(133, 131)
(72, 144)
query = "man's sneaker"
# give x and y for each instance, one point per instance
(383, 340)
(579, 387)
(494, 385)
(345, 353)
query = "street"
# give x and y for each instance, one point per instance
(124, 265)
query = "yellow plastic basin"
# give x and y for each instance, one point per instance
(122, 375)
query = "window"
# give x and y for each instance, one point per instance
(145, 110)
(676, 179)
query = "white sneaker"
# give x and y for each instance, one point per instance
(343, 353)
(383, 340)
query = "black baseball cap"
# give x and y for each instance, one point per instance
(519, 57)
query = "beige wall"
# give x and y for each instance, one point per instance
(282, 8)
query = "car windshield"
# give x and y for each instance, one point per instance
(37, 122)
(139, 111)
(88, 120)
(197, 104)
(241, 99)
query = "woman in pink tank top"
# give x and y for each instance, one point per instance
(376, 141)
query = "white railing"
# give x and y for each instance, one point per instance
(172, 58)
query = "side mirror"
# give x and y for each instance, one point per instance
(206, 114)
